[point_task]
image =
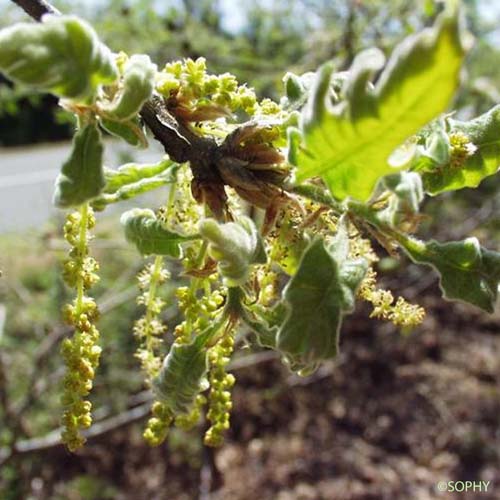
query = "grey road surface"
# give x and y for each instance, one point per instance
(27, 178)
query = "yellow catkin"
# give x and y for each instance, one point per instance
(149, 328)
(401, 313)
(219, 399)
(81, 352)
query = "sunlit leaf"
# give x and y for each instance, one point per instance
(349, 144)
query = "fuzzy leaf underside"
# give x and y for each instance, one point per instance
(61, 55)
(130, 191)
(349, 144)
(131, 173)
(235, 246)
(82, 176)
(147, 233)
(318, 296)
(407, 195)
(468, 272)
(136, 88)
(131, 180)
(182, 373)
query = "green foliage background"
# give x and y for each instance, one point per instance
(258, 41)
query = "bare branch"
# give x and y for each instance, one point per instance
(250, 360)
(36, 8)
(53, 439)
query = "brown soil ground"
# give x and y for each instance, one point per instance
(393, 416)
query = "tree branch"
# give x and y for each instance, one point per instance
(53, 439)
(36, 8)
(177, 140)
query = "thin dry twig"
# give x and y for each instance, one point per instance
(107, 424)
(53, 439)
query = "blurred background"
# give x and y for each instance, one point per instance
(395, 414)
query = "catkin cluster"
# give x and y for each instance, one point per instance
(81, 352)
(196, 96)
(159, 424)
(149, 328)
(219, 399)
(198, 314)
(461, 148)
(198, 311)
(400, 313)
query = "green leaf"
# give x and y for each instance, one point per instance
(236, 246)
(82, 175)
(349, 144)
(147, 233)
(294, 88)
(473, 154)
(130, 191)
(131, 131)
(407, 194)
(298, 88)
(437, 146)
(318, 296)
(61, 55)
(135, 88)
(265, 322)
(131, 173)
(182, 375)
(131, 180)
(468, 272)
(407, 186)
